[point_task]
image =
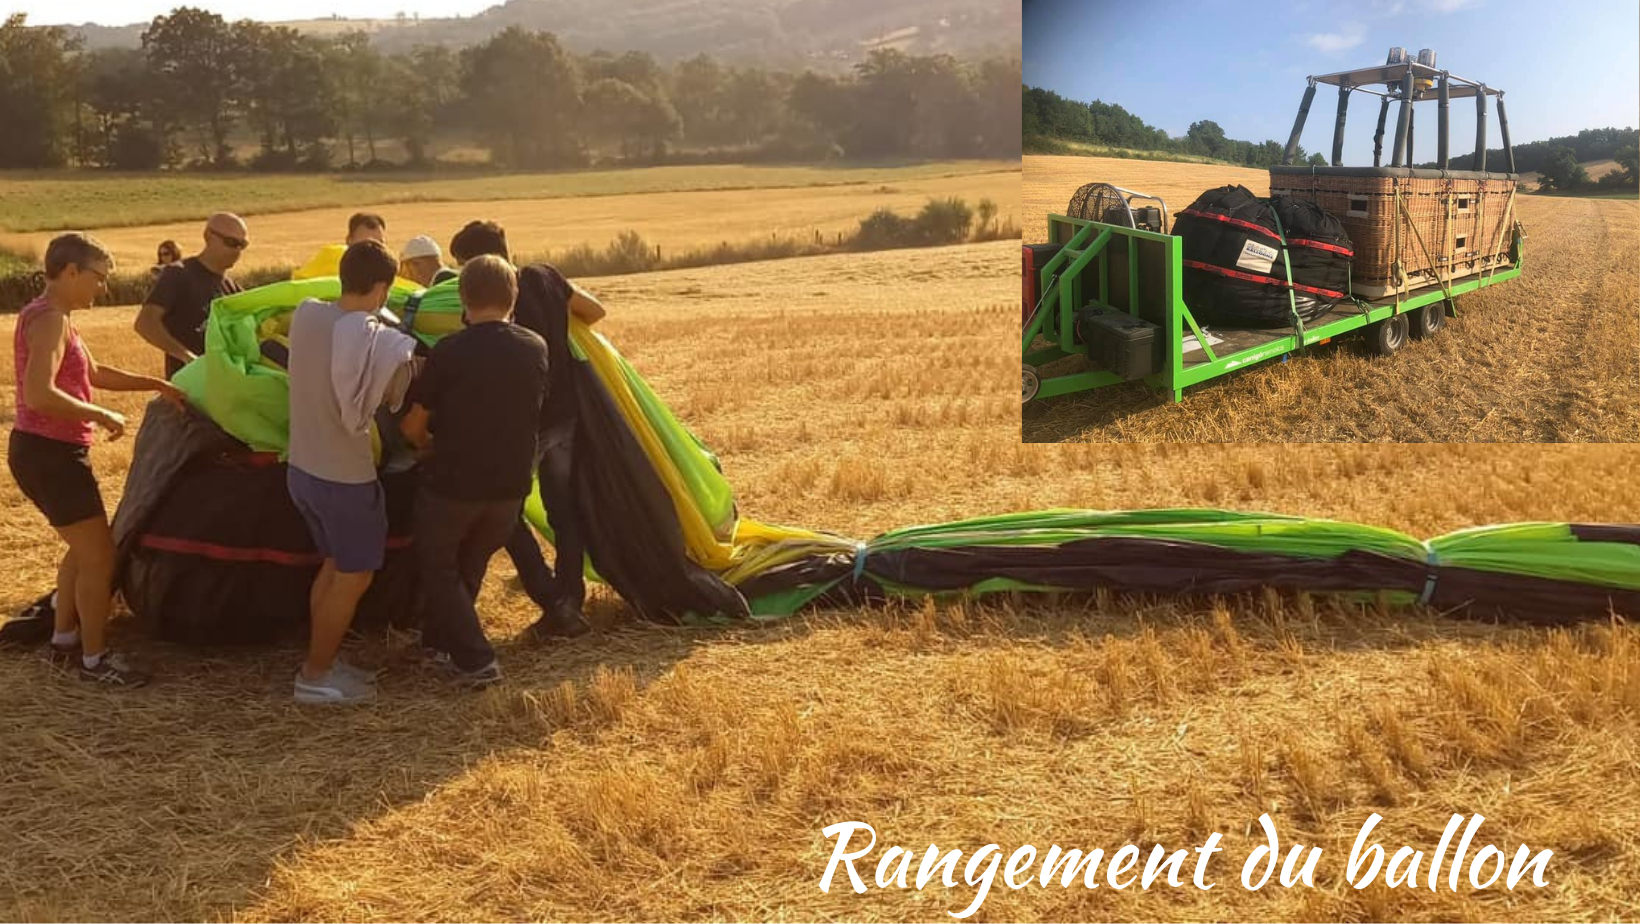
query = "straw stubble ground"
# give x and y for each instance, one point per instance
(1551, 357)
(650, 773)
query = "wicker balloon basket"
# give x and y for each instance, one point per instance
(1410, 228)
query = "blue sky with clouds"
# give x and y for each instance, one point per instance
(1563, 65)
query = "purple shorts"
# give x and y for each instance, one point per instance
(348, 521)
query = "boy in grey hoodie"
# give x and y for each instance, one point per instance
(343, 363)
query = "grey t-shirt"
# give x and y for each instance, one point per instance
(320, 444)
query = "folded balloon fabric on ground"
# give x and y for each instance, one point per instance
(205, 525)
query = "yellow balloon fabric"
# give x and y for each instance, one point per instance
(327, 262)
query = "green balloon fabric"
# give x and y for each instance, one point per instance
(231, 384)
(1545, 571)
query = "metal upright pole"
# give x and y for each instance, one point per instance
(1412, 118)
(1503, 127)
(1400, 148)
(1445, 96)
(1378, 136)
(1298, 125)
(1338, 126)
(1480, 127)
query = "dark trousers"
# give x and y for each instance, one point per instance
(543, 586)
(454, 542)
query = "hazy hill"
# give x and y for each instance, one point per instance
(824, 34)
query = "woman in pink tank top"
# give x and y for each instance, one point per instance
(48, 452)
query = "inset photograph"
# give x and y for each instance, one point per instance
(1389, 229)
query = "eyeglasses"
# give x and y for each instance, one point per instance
(236, 243)
(102, 275)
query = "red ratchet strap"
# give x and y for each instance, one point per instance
(1233, 221)
(241, 554)
(1265, 280)
(1249, 226)
(1306, 242)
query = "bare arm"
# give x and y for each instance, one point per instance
(150, 326)
(40, 391)
(111, 379)
(584, 306)
(414, 427)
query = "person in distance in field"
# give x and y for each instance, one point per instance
(167, 254)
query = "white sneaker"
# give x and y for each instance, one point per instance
(348, 667)
(336, 687)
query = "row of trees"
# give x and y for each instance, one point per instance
(1559, 161)
(200, 85)
(1561, 170)
(1046, 113)
(1588, 144)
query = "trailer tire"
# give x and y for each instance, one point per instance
(1389, 335)
(1031, 382)
(1431, 319)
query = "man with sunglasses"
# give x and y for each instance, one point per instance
(173, 315)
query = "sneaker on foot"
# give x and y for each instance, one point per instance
(428, 656)
(336, 687)
(488, 675)
(115, 670)
(367, 674)
(63, 655)
(559, 621)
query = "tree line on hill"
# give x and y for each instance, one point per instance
(199, 83)
(1557, 161)
(1047, 114)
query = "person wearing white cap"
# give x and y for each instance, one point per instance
(423, 262)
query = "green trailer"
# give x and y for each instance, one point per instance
(1423, 237)
(1115, 268)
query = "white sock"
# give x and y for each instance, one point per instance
(91, 661)
(66, 639)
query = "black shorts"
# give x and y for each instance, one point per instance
(56, 476)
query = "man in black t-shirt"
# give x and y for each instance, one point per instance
(478, 402)
(173, 315)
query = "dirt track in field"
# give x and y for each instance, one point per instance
(1551, 357)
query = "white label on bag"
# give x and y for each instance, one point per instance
(1256, 257)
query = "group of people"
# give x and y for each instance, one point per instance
(487, 410)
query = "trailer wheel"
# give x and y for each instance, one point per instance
(1032, 384)
(1431, 318)
(1389, 335)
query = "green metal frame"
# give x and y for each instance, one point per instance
(1055, 319)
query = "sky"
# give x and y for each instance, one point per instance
(125, 12)
(1563, 65)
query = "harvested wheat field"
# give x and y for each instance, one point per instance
(1549, 357)
(668, 773)
(681, 220)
